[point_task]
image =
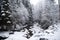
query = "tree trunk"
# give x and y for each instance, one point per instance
(59, 8)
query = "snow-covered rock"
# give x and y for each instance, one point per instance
(4, 34)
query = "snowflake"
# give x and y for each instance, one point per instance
(4, 1)
(7, 18)
(2, 11)
(10, 15)
(7, 12)
(8, 21)
(6, 4)
(3, 14)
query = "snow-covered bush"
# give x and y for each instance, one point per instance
(45, 24)
(19, 12)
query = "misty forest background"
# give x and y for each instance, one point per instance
(20, 14)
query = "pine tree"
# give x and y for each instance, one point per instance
(59, 8)
(30, 21)
(5, 14)
(29, 8)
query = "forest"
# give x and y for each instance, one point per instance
(22, 15)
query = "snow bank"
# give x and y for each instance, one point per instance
(52, 33)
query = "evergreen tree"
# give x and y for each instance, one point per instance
(5, 15)
(59, 8)
(29, 8)
(30, 21)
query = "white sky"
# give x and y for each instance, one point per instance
(56, 1)
(34, 2)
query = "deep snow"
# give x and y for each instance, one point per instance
(52, 33)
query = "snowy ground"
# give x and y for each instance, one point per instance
(52, 33)
(4, 34)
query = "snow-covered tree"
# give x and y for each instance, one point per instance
(28, 6)
(21, 11)
(5, 19)
(59, 8)
(52, 10)
(46, 10)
